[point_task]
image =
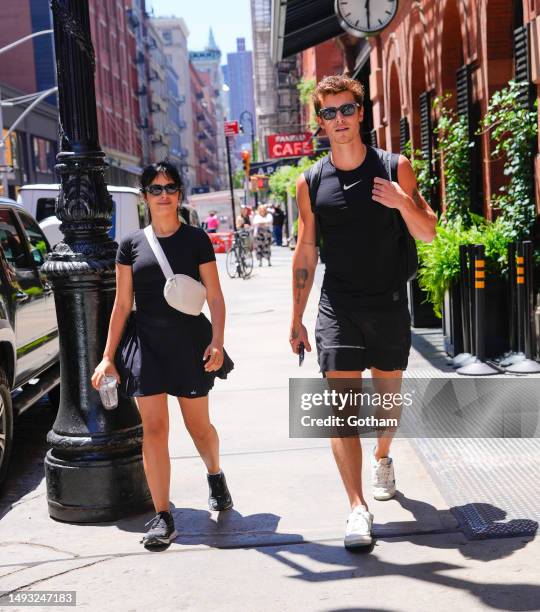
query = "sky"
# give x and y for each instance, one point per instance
(229, 20)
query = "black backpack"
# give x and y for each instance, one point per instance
(390, 161)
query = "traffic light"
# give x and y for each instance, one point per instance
(246, 155)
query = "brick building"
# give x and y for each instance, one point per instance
(204, 130)
(116, 88)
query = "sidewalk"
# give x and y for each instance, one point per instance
(281, 547)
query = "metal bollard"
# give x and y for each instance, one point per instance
(524, 285)
(479, 367)
(465, 264)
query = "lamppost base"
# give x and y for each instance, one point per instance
(95, 491)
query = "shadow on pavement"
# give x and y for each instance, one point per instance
(426, 342)
(25, 472)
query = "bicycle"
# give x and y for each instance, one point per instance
(239, 261)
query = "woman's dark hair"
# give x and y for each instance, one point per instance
(150, 172)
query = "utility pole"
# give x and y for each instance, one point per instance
(231, 184)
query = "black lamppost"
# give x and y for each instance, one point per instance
(94, 469)
(250, 117)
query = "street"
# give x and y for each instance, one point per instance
(280, 548)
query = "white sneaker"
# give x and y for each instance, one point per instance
(358, 532)
(382, 478)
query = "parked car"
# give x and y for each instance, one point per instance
(29, 346)
(129, 211)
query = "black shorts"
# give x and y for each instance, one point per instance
(360, 338)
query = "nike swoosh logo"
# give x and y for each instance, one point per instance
(345, 187)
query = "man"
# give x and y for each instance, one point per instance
(278, 218)
(363, 319)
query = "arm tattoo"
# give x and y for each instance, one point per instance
(300, 276)
(417, 198)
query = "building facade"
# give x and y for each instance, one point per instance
(116, 90)
(205, 129)
(276, 95)
(467, 49)
(137, 22)
(28, 68)
(209, 61)
(174, 36)
(241, 93)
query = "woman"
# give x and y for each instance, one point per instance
(165, 351)
(212, 223)
(262, 224)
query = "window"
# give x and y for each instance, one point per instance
(44, 157)
(45, 208)
(39, 247)
(11, 241)
(167, 37)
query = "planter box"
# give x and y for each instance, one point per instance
(422, 314)
(496, 318)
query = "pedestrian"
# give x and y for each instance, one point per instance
(212, 222)
(278, 218)
(245, 213)
(158, 350)
(364, 219)
(262, 224)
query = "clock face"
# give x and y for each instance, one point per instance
(359, 16)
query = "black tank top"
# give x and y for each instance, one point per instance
(360, 236)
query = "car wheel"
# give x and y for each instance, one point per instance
(6, 425)
(54, 398)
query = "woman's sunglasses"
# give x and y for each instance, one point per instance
(346, 110)
(156, 190)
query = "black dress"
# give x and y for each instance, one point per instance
(162, 349)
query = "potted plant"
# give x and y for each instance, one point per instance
(421, 309)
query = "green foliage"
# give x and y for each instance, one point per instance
(306, 87)
(453, 149)
(239, 178)
(514, 130)
(427, 181)
(279, 182)
(440, 258)
(283, 181)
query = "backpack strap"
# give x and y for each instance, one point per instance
(313, 179)
(158, 252)
(392, 161)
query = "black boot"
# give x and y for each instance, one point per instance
(219, 497)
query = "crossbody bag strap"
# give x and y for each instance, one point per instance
(158, 252)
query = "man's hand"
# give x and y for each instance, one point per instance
(389, 194)
(298, 334)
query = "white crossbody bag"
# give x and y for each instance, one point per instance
(181, 291)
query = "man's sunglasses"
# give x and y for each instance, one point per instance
(156, 190)
(346, 110)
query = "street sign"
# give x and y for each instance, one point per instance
(231, 128)
(289, 145)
